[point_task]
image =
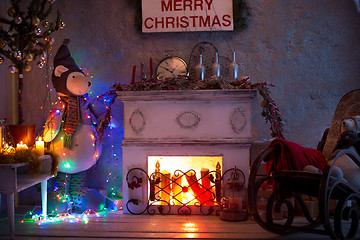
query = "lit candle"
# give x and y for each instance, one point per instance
(21, 146)
(151, 68)
(133, 75)
(39, 146)
(0, 137)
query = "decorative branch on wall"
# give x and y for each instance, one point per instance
(25, 36)
(241, 14)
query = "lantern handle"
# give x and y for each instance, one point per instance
(236, 170)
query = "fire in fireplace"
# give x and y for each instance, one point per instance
(180, 189)
(185, 180)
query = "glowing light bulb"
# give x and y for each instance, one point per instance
(67, 165)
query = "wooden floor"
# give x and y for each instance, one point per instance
(116, 225)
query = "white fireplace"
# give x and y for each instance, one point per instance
(168, 126)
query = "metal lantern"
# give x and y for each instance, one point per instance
(234, 201)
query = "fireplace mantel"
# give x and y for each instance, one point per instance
(186, 123)
(187, 95)
(183, 116)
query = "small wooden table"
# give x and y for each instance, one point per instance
(15, 178)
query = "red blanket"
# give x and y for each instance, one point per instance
(293, 157)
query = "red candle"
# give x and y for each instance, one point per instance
(133, 75)
(151, 68)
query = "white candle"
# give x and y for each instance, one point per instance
(39, 145)
(21, 146)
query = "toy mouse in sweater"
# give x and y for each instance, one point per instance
(70, 130)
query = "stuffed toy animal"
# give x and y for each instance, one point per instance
(348, 133)
(348, 136)
(349, 139)
(70, 131)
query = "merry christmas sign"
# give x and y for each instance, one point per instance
(187, 15)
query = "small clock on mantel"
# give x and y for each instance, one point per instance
(171, 67)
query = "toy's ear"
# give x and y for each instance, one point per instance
(59, 70)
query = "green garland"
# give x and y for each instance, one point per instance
(32, 157)
(270, 111)
(241, 14)
(20, 156)
(55, 158)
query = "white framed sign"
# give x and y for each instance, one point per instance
(187, 15)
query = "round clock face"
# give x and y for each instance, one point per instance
(171, 67)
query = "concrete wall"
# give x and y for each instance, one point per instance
(309, 49)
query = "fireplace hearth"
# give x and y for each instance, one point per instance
(179, 145)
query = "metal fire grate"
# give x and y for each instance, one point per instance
(165, 192)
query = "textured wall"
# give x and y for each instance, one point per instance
(309, 49)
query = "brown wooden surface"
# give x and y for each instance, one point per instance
(116, 225)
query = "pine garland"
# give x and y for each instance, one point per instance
(270, 112)
(32, 157)
(106, 119)
(55, 158)
(20, 156)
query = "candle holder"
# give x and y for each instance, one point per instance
(233, 69)
(200, 70)
(215, 68)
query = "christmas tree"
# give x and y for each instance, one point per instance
(25, 37)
